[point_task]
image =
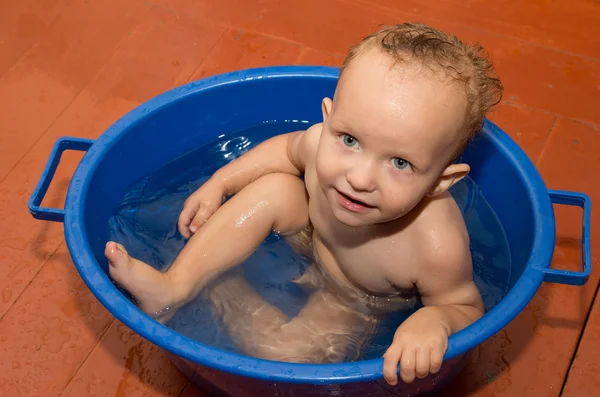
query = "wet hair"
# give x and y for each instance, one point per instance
(466, 64)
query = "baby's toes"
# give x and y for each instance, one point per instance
(116, 254)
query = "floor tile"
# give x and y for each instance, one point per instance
(49, 331)
(567, 26)
(163, 52)
(22, 24)
(131, 366)
(238, 49)
(147, 64)
(543, 79)
(315, 57)
(573, 151)
(316, 24)
(50, 75)
(529, 128)
(229, 13)
(583, 377)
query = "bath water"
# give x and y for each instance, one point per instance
(146, 224)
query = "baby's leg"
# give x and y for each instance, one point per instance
(325, 331)
(274, 202)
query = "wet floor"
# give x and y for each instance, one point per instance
(72, 67)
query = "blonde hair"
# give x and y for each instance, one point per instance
(467, 64)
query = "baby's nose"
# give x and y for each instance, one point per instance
(361, 178)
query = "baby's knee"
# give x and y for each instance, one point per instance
(281, 185)
(286, 195)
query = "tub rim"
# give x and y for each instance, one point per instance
(121, 308)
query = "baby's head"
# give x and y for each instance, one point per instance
(408, 100)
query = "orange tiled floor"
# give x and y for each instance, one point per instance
(72, 67)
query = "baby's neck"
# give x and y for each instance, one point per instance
(357, 235)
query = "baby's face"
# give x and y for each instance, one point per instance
(388, 136)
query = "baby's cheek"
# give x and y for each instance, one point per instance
(400, 200)
(328, 165)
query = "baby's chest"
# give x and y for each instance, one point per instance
(374, 266)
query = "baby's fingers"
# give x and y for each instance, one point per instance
(423, 362)
(436, 357)
(201, 217)
(185, 219)
(390, 364)
(407, 365)
(187, 216)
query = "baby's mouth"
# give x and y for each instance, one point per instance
(354, 201)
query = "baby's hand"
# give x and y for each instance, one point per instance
(419, 346)
(199, 207)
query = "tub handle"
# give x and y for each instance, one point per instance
(62, 144)
(566, 276)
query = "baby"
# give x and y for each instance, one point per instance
(373, 208)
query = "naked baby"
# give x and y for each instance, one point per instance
(373, 208)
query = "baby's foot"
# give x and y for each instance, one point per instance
(154, 291)
(231, 291)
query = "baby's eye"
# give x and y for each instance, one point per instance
(349, 140)
(400, 164)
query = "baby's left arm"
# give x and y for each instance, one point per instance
(451, 302)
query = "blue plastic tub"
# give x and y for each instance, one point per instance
(159, 131)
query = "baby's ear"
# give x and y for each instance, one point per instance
(326, 108)
(451, 175)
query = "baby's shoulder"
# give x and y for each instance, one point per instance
(308, 145)
(441, 233)
(302, 146)
(312, 136)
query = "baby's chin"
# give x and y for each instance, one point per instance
(350, 219)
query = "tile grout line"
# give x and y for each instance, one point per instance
(580, 337)
(225, 30)
(32, 279)
(303, 51)
(550, 113)
(394, 12)
(184, 387)
(83, 361)
(14, 65)
(546, 144)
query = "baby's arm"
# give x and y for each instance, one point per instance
(451, 302)
(284, 153)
